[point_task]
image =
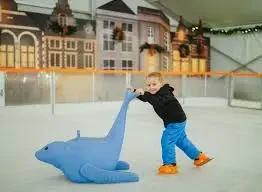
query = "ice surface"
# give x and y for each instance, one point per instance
(232, 136)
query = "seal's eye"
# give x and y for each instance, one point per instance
(46, 148)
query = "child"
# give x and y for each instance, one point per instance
(168, 108)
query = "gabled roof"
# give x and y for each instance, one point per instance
(41, 21)
(8, 5)
(117, 6)
(15, 19)
(22, 20)
(75, 5)
(155, 12)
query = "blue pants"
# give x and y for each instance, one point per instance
(175, 135)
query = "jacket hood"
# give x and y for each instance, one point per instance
(165, 89)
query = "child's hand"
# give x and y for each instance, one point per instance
(129, 87)
(140, 91)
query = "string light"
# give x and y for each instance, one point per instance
(228, 31)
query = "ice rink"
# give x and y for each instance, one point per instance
(232, 136)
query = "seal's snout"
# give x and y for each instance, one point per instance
(37, 155)
(41, 153)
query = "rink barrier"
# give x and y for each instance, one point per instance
(185, 76)
(71, 70)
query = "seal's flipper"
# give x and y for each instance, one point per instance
(122, 165)
(72, 173)
(102, 176)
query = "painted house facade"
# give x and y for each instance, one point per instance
(75, 51)
(154, 28)
(191, 52)
(28, 43)
(120, 55)
(20, 45)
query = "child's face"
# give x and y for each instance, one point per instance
(153, 84)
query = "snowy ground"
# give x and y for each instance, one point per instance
(232, 136)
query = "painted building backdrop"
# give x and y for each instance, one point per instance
(191, 51)
(118, 39)
(28, 41)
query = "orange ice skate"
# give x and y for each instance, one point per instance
(167, 169)
(201, 160)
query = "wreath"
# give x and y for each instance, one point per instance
(152, 48)
(200, 46)
(118, 34)
(184, 50)
(67, 30)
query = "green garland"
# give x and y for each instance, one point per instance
(238, 30)
(157, 47)
(56, 28)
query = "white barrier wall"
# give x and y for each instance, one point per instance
(2, 89)
(70, 87)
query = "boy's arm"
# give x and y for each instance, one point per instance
(162, 99)
(143, 95)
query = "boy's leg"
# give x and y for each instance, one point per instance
(187, 146)
(191, 150)
(168, 141)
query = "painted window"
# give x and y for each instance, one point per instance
(109, 25)
(127, 27)
(7, 51)
(71, 45)
(166, 41)
(150, 35)
(88, 61)
(165, 63)
(54, 44)
(71, 60)
(55, 59)
(127, 64)
(27, 49)
(109, 64)
(109, 44)
(127, 44)
(89, 46)
(62, 20)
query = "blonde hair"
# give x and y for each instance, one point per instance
(156, 75)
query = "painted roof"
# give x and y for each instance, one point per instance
(151, 11)
(15, 19)
(23, 20)
(33, 19)
(117, 6)
(8, 4)
(80, 6)
(44, 22)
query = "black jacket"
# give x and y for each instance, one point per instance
(165, 105)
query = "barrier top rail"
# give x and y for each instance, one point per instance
(71, 70)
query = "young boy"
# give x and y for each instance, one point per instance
(167, 107)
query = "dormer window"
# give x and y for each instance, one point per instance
(61, 20)
(150, 35)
